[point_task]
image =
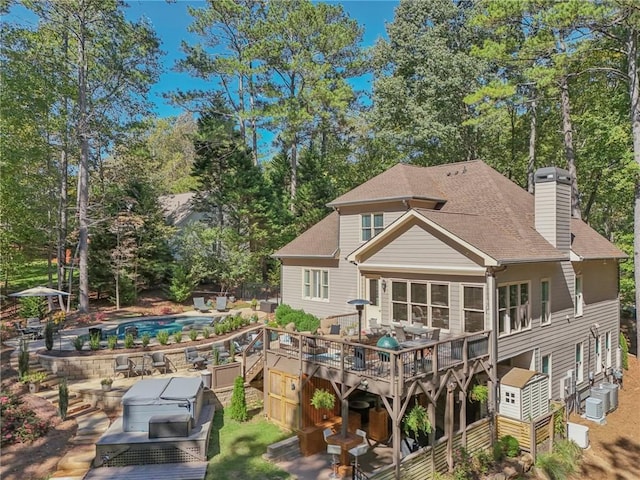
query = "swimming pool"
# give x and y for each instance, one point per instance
(152, 326)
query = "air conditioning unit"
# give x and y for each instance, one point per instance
(613, 394)
(602, 394)
(594, 409)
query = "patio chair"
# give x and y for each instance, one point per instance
(400, 335)
(221, 304)
(159, 361)
(376, 328)
(200, 305)
(435, 334)
(193, 357)
(124, 365)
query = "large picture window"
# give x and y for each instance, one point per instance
(316, 284)
(513, 308)
(421, 302)
(473, 308)
(371, 225)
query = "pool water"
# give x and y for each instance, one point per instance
(152, 326)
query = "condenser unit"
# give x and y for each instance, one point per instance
(602, 394)
(613, 394)
(593, 409)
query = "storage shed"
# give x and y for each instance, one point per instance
(162, 396)
(524, 394)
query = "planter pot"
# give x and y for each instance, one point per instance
(34, 387)
(106, 388)
(225, 375)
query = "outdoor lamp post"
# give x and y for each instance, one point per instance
(359, 304)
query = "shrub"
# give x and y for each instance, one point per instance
(232, 352)
(129, 341)
(624, 348)
(206, 332)
(94, 341)
(562, 462)
(218, 329)
(193, 334)
(238, 407)
(177, 337)
(19, 424)
(304, 322)
(482, 461)
(462, 466)
(23, 359)
(181, 285)
(63, 398)
(146, 338)
(163, 337)
(48, 336)
(32, 307)
(112, 342)
(507, 446)
(216, 356)
(78, 343)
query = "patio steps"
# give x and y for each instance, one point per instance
(285, 450)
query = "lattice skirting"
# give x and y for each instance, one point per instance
(153, 453)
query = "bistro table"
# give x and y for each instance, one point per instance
(346, 443)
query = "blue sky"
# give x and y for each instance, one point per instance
(170, 20)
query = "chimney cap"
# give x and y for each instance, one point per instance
(552, 174)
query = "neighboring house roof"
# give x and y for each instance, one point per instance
(320, 241)
(479, 207)
(177, 208)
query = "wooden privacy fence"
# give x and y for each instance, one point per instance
(428, 460)
(532, 433)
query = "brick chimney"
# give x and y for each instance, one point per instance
(553, 206)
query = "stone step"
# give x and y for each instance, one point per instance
(93, 421)
(79, 458)
(286, 449)
(77, 409)
(88, 438)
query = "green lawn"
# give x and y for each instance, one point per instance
(235, 449)
(33, 274)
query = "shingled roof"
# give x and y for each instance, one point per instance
(320, 241)
(477, 205)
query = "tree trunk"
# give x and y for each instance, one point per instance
(254, 129)
(567, 130)
(63, 221)
(531, 164)
(83, 174)
(634, 97)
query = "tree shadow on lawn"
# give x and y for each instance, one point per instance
(622, 455)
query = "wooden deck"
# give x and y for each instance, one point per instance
(166, 471)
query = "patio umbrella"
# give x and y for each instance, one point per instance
(38, 292)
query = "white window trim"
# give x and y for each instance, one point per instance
(607, 342)
(542, 313)
(313, 287)
(463, 309)
(372, 228)
(519, 307)
(579, 365)
(578, 296)
(428, 306)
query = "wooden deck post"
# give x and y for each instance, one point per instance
(448, 424)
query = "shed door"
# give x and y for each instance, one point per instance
(283, 400)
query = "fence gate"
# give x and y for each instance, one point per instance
(283, 400)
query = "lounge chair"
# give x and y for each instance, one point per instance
(221, 304)
(200, 305)
(124, 365)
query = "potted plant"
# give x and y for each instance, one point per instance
(323, 399)
(106, 383)
(417, 422)
(33, 380)
(479, 393)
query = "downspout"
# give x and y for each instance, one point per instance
(493, 346)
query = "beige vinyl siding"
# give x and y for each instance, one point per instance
(553, 213)
(560, 336)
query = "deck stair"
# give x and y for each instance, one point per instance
(255, 369)
(284, 450)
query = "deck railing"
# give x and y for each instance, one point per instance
(372, 361)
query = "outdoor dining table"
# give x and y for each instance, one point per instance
(417, 331)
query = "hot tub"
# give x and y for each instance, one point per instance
(162, 396)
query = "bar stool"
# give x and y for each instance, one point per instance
(334, 451)
(359, 450)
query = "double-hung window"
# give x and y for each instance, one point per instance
(513, 308)
(578, 296)
(473, 308)
(316, 284)
(545, 303)
(423, 302)
(371, 225)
